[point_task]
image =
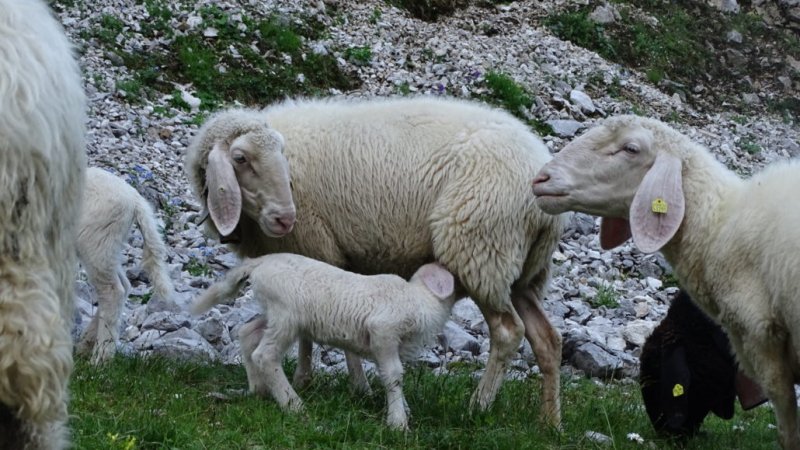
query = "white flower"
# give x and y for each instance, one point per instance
(636, 438)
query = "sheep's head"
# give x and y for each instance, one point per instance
(245, 172)
(618, 171)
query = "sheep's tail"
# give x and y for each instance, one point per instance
(154, 252)
(225, 288)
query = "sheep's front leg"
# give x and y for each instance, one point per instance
(546, 344)
(267, 357)
(391, 371)
(505, 333)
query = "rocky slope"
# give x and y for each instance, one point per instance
(604, 303)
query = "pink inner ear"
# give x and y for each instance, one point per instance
(663, 183)
(437, 279)
(224, 195)
(613, 232)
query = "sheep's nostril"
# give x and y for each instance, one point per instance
(286, 221)
(541, 178)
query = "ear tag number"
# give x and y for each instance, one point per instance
(659, 206)
(677, 390)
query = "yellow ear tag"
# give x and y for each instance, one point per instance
(659, 206)
(677, 390)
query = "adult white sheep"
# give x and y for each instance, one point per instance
(110, 207)
(384, 186)
(734, 244)
(42, 160)
(381, 317)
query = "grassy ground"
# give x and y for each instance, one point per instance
(135, 403)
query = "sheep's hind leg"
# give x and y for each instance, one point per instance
(546, 344)
(358, 380)
(391, 370)
(505, 333)
(267, 357)
(302, 373)
(110, 296)
(775, 375)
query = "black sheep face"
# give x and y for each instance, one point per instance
(687, 370)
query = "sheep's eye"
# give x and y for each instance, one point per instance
(239, 158)
(631, 149)
(291, 186)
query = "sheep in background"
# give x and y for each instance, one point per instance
(42, 160)
(381, 317)
(688, 370)
(734, 244)
(384, 186)
(110, 207)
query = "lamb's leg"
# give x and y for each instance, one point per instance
(391, 371)
(267, 356)
(358, 380)
(505, 333)
(249, 337)
(302, 373)
(546, 344)
(110, 295)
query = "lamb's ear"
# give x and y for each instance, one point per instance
(224, 196)
(613, 232)
(657, 208)
(437, 279)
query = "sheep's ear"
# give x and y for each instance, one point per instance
(657, 209)
(749, 392)
(613, 232)
(224, 195)
(437, 279)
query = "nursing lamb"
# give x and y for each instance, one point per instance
(734, 244)
(384, 186)
(110, 207)
(42, 160)
(381, 317)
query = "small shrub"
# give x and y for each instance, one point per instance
(750, 146)
(359, 55)
(606, 296)
(197, 268)
(507, 92)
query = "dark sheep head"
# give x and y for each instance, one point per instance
(688, 370)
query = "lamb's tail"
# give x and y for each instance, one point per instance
(225, 288)
(154, 252)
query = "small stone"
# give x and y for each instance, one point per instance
(564, 127)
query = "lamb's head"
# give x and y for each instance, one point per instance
(236, 164)
(628, 171)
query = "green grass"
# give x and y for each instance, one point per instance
(684, 43)
(255, 60)
(606, 296)
(159, 404)
(508, 94)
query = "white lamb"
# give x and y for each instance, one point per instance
(384, 186)
(734, 244)
(42, 160)
(110, 207)
(381, 317)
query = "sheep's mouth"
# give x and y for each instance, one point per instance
(552, 203)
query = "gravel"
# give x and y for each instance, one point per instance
(601, 340)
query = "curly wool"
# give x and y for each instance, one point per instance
(42, 117)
